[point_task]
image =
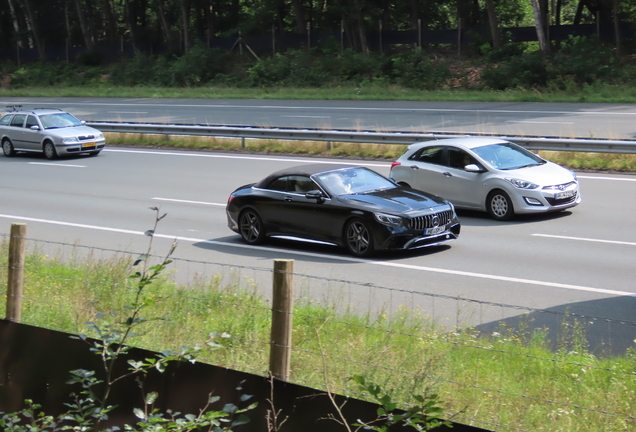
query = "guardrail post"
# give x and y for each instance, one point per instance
(282, 309)
(17, 250)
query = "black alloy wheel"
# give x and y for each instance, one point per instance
(499, 205)
(358, 238)
(251, 227)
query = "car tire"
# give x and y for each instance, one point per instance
(49, 151)
(7, 148)
(251, 227)
(358, 238)
(499, 205)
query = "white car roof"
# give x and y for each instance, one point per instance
(467, 142)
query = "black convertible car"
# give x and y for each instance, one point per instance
(348, 206)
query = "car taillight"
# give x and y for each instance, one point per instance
(230, 199)
(394, 164)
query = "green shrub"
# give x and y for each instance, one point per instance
(415, 69)
(135, 71)
(524, 71)
(584, 61)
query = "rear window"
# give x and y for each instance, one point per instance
(18, 120)
(6, 119)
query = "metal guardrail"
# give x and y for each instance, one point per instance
(364, 137)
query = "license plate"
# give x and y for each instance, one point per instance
(436, 230)
(563, 195)
(88, 144)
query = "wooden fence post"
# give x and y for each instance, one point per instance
(17, 249)
(282, 309)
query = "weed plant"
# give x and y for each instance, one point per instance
(513, 379)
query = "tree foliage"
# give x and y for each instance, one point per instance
(180, 23)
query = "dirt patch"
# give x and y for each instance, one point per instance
(5, 81)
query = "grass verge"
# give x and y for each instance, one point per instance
(600, 93)
(614, 162)
(511, 380)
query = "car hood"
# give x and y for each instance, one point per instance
(547, 174)
(73, 131)
(401, 200)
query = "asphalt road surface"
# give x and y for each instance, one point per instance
(563, 120)
(581, 261)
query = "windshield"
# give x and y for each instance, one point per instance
(508, 156)
(53, 121)
(353, 181)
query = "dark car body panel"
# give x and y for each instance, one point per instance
(324, 219)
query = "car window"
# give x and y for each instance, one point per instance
(31, 121)
(279, 184)
(458, 158)
(18, 120)
(508, 156)
(6, 119)
(53, 121)
(300, 184)
(354, 181)
(434, 155)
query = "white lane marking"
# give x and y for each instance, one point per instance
(341, 108)
(188, 202)
(586, 239)
(305, 116)
(606, 178)
(275, 159)
(383, 165)
(57, 164)
(127, 112)
(339, 258)
(539, 122)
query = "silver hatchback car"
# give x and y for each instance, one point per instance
(49, 131)
(487, 174)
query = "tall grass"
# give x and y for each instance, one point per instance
(513, 379)
(573, 160)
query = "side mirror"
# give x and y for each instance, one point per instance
(315, 194)
(35, 127)
(474, 168)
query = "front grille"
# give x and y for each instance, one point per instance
(86, 137)
(559, 187)
(557, 202)
(419, 223)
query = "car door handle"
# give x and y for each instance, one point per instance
(414, 167)
(288, 199)
(447, 174)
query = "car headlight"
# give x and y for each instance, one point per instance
(522, 184)
(70, 140)
(99, 136)
(573, 174)
(388, 219)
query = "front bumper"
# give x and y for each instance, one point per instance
(77, 148)
(545, 200)
(408, 239)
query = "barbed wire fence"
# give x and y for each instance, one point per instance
(531, 368)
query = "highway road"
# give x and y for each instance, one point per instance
(563, 120)
(580, 261)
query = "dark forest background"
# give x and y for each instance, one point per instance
(425, 44)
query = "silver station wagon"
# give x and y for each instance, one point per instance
(49, 131)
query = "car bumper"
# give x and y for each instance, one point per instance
(407, 239)
(77, 148)
(527, 202)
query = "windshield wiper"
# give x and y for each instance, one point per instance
(530, 165)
